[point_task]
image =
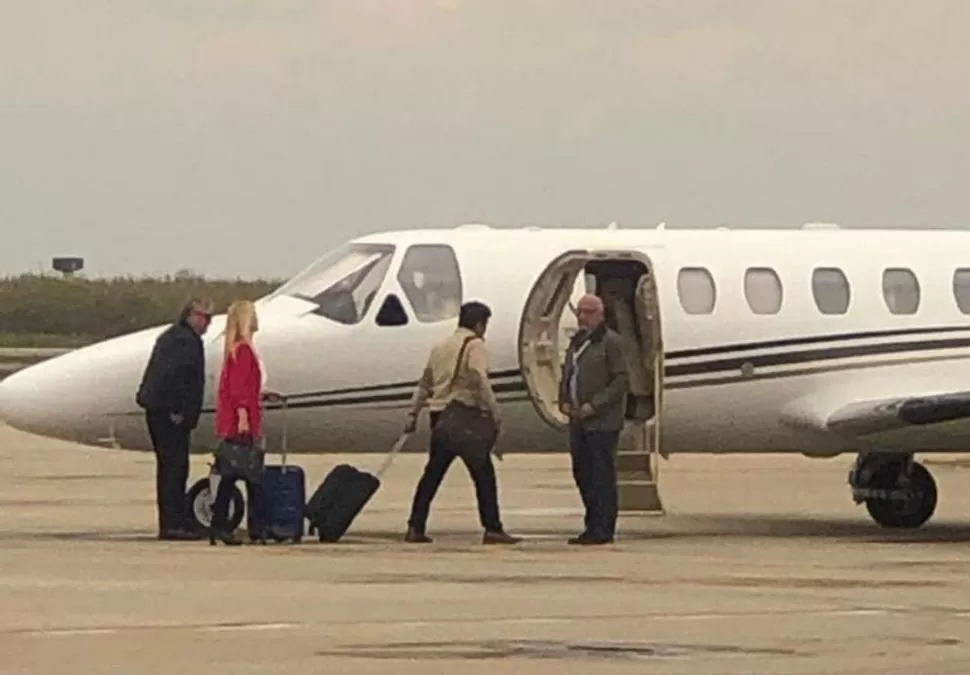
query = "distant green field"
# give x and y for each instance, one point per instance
(50, 311)
(42, 341)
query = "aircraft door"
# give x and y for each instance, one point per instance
(625, 281)
(647, 310)
(543, 330)
(569, 319)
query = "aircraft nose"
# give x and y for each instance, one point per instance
(73, 396)
(14, 409)
(55, 398)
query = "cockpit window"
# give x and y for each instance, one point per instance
(343, 283)
(431, 280)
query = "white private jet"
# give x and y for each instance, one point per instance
(818, 341)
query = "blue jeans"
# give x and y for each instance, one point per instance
(593, 456)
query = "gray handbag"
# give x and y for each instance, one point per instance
(240, 458)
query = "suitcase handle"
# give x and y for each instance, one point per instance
(284, 446)
(283, 401)
(389, 459)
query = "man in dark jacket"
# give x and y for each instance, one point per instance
(171, 394)
(593, 394)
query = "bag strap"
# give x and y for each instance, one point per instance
(461, 353)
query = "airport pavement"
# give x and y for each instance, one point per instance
(762, 565)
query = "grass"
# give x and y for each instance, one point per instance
(44, 341)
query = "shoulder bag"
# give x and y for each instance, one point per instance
(239, 457)
(468, 431)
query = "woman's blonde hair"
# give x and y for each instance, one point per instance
(240, 325)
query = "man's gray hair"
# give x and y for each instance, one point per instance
(195, 305)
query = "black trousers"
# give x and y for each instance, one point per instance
(439, 461)
(256, 517)
(171, 443)
(593, 456)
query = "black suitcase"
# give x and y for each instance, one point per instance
(342, 495)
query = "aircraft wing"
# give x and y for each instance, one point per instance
(857, 414)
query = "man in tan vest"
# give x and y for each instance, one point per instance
(441, 383)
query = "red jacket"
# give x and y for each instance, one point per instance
(240, 385)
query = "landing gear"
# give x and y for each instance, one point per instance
(898, 492)
(200, 501)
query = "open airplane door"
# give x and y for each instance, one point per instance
(626, 282)
(541, 334)
(640, 468)
(652, 348)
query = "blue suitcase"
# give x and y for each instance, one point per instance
(284, 494)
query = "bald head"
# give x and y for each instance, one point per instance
(589, 311)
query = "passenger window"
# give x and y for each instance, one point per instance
(900, 290)
(831, 290)
(961, 289)
(431, 281)
(696, 290)
(392, 312)
(763, 290)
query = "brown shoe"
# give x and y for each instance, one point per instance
(499, 538)
(415, 537)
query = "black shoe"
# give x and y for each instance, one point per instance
(179, 535)
(227, 538)
(587, 539)
(257, 537)
(415, 537)
(499, 537)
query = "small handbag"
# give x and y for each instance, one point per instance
(240, 458)
(468, 431)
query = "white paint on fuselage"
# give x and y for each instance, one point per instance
(89, 394)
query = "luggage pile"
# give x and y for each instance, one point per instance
(334, 505)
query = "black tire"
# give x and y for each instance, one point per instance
(911, 513)
(200, 513)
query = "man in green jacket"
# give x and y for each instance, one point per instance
(592, 394)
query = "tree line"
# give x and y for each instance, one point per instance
(40, 310)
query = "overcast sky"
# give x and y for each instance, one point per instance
(249, 136)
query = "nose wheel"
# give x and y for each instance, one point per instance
(200, 500)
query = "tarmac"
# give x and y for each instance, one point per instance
(761, 565)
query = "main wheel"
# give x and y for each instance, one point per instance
(200, 500)
(905, 513)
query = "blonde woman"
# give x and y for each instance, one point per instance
(239, 418)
